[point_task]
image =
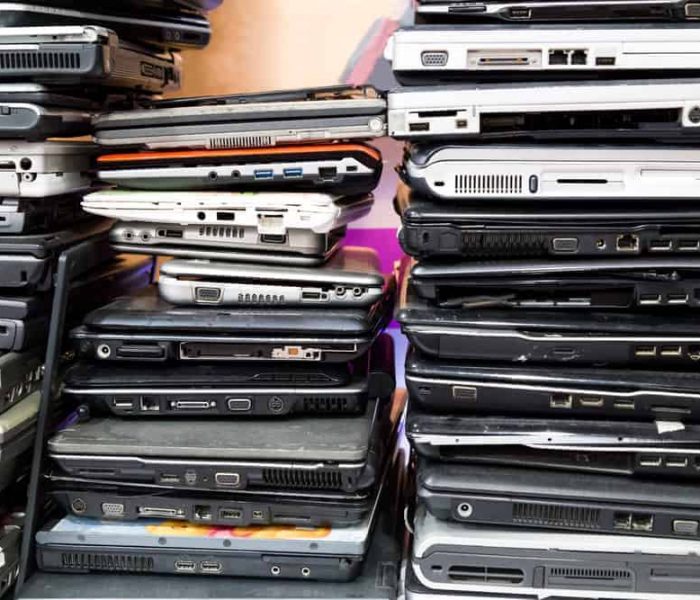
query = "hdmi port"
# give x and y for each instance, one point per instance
(230, 514)
(169, 478)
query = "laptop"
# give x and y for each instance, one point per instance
(324, 114)
(343, 454)
(298, 247)
(38, 170)
(560, 10)
(539, 230)
(352, 277)
(237, 390)
(169, 28)
(82, 54)
(27, 262)
(17, 433)
(219, 216)
(428, 54)
(25, 216)
(596, 173)
(613, 283)
(542, 499)
(146, 328)
(324, 553)
(661, 110)
(552, 337)
(344, 169)
(20, 375)
(376, 580)
(567, 392)
(61, 116)
(501, 561)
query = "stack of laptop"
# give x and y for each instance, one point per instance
(237, 417)
(551, 207)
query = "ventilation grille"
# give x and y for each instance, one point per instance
(488, 185)
(221, 232)
(507, 244)
(262, 298)
(302, 479)
(480, 574)
(328, 404)
(12, 60)
(294, 378)
(587, 573)
(132, 563)
(434, 58)
(240, 141)
(553, 515)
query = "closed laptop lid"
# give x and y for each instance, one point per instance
(342, 439)
(544, 484)
(147, 312)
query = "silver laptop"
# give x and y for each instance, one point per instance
(456, 557)
(212, 214)
(430, 53)
(37, 170)
(666, 110)
(544, 172)
(252, 120)
(351, 278)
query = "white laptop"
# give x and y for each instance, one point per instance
(667, 110)
(271, 213)
(430, 53)
(544, 172)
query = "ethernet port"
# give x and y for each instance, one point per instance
(579, 57)
(643, 523)
(202, 512)
(558, 57)
(150, 404)
(627, 243)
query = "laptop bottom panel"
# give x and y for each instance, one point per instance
(225, 510)
(87, 559)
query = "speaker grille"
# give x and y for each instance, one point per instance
(480, 574)
(27, 60)
(488, 185)
(328, 404)
(221, 232)
(132, 563)
(554, 515)
(240, 141)
(589, 573)
(318, 480)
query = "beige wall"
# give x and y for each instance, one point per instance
(277, 44)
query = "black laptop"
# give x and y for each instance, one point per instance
(571, 284)
(457, 387)
(145, 328)
(553, 337)
(528, 11)
(453, 230)
(538, 498)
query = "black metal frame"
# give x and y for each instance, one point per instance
(71, 265)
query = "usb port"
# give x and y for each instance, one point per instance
(293, 173)
(650, 298)
(624, 404)
(263, 173)
(676, 462)
(561, 401)
(123, 404)
(419, 127)
(645, 351)
(650, 460)
(688, 245)
(673, 351)
(327, 173)
(169, 478)
(660, 245)
(679, 298)
(230, 514)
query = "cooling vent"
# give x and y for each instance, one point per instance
(261, 298)
(240, 141)
(132, 563)
(39, 60)
(493, 575)
(587, 573)
(302, 479)
(434, 58)
(301, 378)
(220, 232)
(553, 515)
(515, 244)
(327, 404)
(488, 185)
